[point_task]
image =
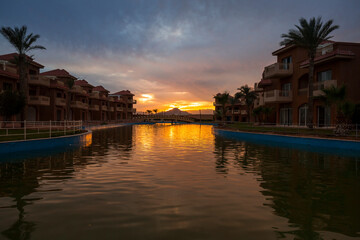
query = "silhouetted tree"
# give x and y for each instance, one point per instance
(23, 43)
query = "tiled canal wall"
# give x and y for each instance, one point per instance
(82, 139)
(306, 143)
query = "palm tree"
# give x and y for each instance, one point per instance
(249, 96)
(257, 112)
(309, 35)
(149, 111)
(23, 43)
(344, 110)
(222, 98)
(232, 101)
(69, 83)
(155, 111)
(267, 110)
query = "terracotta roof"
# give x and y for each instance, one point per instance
(9, 74)
(337, 52)
(83, 83)
(58, 73)
(123, 93)
(290, 46)
(265, 82)
(11, 56)
(100, 89)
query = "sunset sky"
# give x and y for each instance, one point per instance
(168, 53)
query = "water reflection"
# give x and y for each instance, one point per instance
(21, 179)
(179, 182)
(315, 192)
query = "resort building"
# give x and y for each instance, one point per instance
(57, 95)
(235, 110)
(284, 84)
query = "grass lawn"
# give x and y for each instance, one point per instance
(18, 134)
(302, 131)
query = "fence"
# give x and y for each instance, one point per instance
(350, 131)
(23, 130)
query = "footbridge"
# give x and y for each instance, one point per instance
(162, 118)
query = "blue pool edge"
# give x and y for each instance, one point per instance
(322, 143)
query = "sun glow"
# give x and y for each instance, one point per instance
(146, 98)
(189, 106)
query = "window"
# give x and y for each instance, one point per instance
(286, 62)
(58, 95)
(285, 89)
(286, 116)
(323, 76)
(303, 112)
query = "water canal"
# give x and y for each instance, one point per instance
(179, 182)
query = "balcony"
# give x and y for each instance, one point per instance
(60, 102)
(236, 112)
(134, 110)
(243, 112)
(39, 100)
(119, 109)
(278, 70)
(94, 95)
(79, 104)
(104, 108)
(111, 109)
(94, 107)
(39, 80)
(131, 101)
(217, 104)
(277, 96)
(319, 86)
(77, 89)
(259, 101)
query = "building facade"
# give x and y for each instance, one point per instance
(57, 95)
(235, 110)
(284, 84)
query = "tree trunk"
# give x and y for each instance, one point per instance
(23, 82)
(309, 119)
(248, 113)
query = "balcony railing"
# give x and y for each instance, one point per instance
(134, 110)
(111, 109)
(94, 95)
(278, 70)
(236, 111)
(77, 89)
(104, 108)
(276, 96)
(79, 104)
(217, 104)
(319, 86)
(94, 107)
(119, 109)
(60, 102)
(39, 80)
(39, 100)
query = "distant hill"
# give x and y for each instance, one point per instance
(176, 111)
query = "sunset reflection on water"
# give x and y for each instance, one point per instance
(179, 182)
